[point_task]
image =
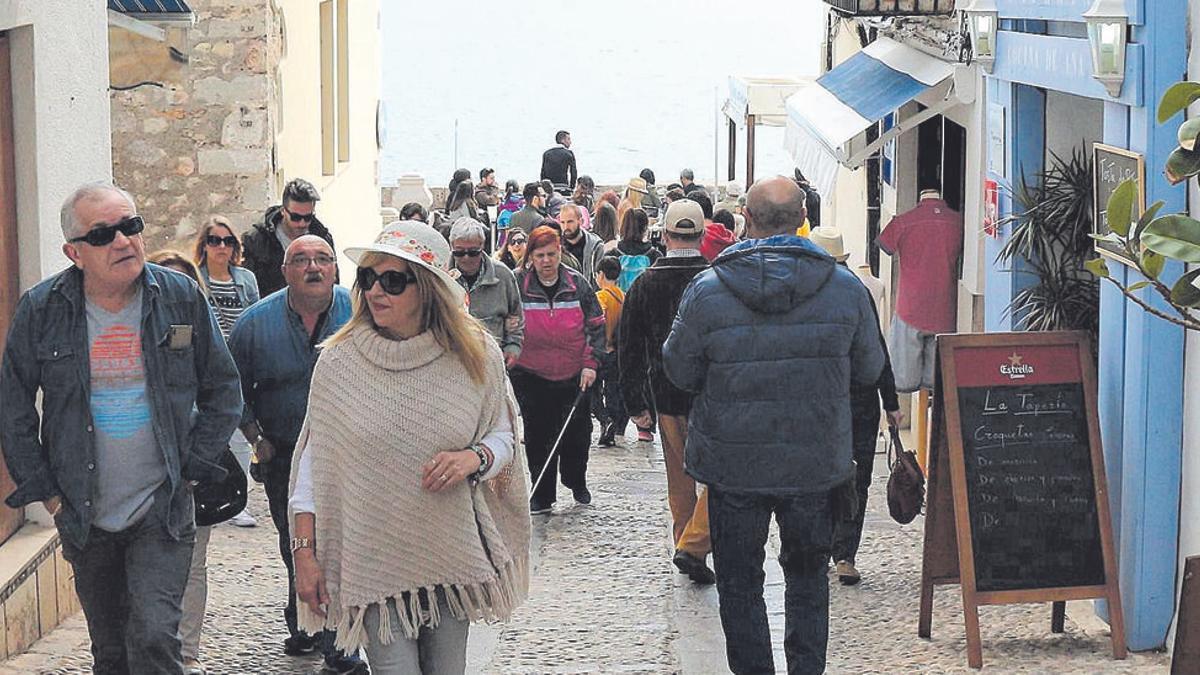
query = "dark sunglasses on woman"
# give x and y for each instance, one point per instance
(103, 236)
(215, 241)
(470, 253)
(392, 282)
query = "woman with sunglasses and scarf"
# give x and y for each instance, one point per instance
(231, 288)
(491, 288)
(512, 252)
(408, 497)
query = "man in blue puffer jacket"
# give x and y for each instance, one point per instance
(770, 339)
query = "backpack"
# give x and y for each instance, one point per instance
(632, 267)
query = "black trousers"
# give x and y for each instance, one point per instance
(544, 408)
(607, 403)
(847, 533)
(739, 524)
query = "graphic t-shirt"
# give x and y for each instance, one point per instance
(129, 463)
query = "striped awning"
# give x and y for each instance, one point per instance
(156, 8)
(839, 108)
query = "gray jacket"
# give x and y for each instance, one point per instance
(496, 301)
(526, 219)
(195, 397)
(593, 251)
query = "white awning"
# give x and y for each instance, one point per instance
(763, 97)
(837, 110)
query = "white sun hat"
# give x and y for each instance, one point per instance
(417, 244)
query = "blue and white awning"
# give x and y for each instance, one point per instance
(842, 104)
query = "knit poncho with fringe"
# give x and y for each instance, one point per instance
(378, 410)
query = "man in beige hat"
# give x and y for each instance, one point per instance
(646, 319)
(864, 414)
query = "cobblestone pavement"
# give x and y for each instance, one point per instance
(604, 598)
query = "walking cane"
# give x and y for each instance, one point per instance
(578, 398)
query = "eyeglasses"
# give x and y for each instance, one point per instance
(469, 253)
(302, 262)
(215, 241)
(104, 235)
(392, 282)
(297, 217)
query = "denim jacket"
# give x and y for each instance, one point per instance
(194, 394)
(243, 279)
(276, 355)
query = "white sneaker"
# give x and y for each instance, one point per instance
(243, 519)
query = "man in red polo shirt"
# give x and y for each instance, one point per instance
(927, 243)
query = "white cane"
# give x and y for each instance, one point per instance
(578, 398)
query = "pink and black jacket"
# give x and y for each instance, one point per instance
(563, 333)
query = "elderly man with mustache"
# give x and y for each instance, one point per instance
(274, 344)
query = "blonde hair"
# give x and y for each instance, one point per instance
(441, 314)
(200, 255)
(177, 261)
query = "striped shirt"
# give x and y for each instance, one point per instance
(226, 303)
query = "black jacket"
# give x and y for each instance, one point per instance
(864, 400)
(558, 165)
(262, 253)
(646, 319)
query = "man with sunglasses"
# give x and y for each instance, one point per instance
(491, 287)
(275, 346)
(139, 397)
(263, 246)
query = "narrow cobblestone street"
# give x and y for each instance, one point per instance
(604, 598)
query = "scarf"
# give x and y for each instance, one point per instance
(377, 411)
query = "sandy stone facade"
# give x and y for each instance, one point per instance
(200, 141)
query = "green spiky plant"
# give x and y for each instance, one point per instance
(1150, 240)
(1052, 236)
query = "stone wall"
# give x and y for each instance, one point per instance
(203, 145)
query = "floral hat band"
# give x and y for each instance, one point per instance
(416, 243)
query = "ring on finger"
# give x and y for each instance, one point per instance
(444, 477)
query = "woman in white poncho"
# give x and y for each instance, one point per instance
(409, 499)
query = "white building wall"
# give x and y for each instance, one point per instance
(350, 196)
(61, 117)
(1189, 509)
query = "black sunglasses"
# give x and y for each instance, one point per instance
(469, 253)
(103, 236)
(214, 241)
(392, 282)
(296, 217)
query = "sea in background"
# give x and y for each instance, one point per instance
(636, 82)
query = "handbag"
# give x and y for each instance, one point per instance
(220, 501)
(906, 484)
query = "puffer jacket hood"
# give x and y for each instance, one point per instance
(774, 275)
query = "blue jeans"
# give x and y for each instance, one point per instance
(440, 650)
(130, 584)
(738, 524)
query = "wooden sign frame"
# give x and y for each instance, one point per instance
(1105, 249)
(948, 556)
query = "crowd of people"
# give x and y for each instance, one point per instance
(407, 424)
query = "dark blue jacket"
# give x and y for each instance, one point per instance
(771, 338)
(275, 355)
(195, 400)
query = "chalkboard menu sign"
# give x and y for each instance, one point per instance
(1112, 166)
(1017, 508)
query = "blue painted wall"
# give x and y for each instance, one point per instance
(1141, 357)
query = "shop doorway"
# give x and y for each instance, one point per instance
(10, 281)
(942, 160)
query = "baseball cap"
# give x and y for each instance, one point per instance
(684, 216)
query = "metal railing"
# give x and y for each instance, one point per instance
(892, 7)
